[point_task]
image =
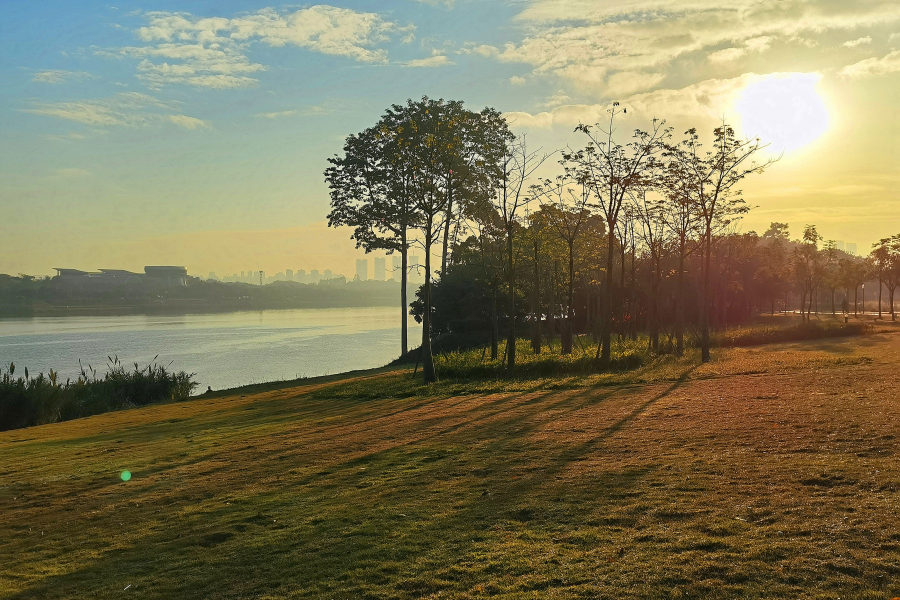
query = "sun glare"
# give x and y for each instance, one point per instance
(784, 111)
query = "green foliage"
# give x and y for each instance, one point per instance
(768, 334)
(27, 401)
(476, 364)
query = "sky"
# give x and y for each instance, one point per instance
(196, 133)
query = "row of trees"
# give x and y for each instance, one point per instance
(637, 231)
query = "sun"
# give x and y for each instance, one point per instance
(785, 111)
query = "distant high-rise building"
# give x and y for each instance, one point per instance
(397, 262)
(839, 244)
(288, 275)
(301, 275)
(262, 277)
(362, 269)
(327, 274)
(851, 248)
(378, 275)
(314, 276)
(212, 276)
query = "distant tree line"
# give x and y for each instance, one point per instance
(632, 236)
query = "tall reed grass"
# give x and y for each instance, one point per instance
(26, 400)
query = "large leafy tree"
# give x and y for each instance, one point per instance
(442, 145)
(371, 188)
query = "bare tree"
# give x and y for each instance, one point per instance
(711, 179)
(519, 165)
(609, 169)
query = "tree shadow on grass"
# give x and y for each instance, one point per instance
(418, 517)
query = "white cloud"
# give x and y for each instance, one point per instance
(277, 115)
(727, 55)
(712, 98)
(438, 60)
(857, 42)
(568, 115)
(188, 122)
(874, 66)
(758, 44)
(127, 109)
(516, 80)
(212, 52)
(557, 99)
(588, 42)
(479, 49)
(624, 83)
(59, 76)
(309, 111)
(447, 3)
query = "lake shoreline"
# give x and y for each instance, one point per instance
(226, 349)
(180, 308)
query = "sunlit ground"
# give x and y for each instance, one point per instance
(771, 472)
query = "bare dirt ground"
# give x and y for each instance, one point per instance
(770, 473)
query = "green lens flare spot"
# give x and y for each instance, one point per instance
(126, 475)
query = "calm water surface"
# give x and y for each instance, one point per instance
(224, 350)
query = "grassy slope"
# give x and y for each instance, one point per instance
(763, 474)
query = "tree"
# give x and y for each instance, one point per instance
(564, 209)
(371, 191)
(436, 137)
(682, 220)
(886, 257)
(711, 180)
(609, 170)
(519, 165)
(653, 232)
(808, 267)
(772, 275)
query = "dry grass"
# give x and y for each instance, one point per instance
(770, 472)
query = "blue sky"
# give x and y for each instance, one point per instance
(196, 133)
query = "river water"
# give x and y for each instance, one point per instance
(224, 350)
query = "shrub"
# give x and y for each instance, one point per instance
(27, 401)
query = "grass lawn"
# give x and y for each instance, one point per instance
(771, 472)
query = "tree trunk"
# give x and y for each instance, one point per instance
(624, 307)
(570, 309)
(404, 333)
(704, 302)
(511, 338)
(495, 328)
(447, 228)
(551, 309)
(632, 294)
(536, 306)
(603, 350)
(879, 297)
(654, 310)
(679, 307)
(428, 371)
